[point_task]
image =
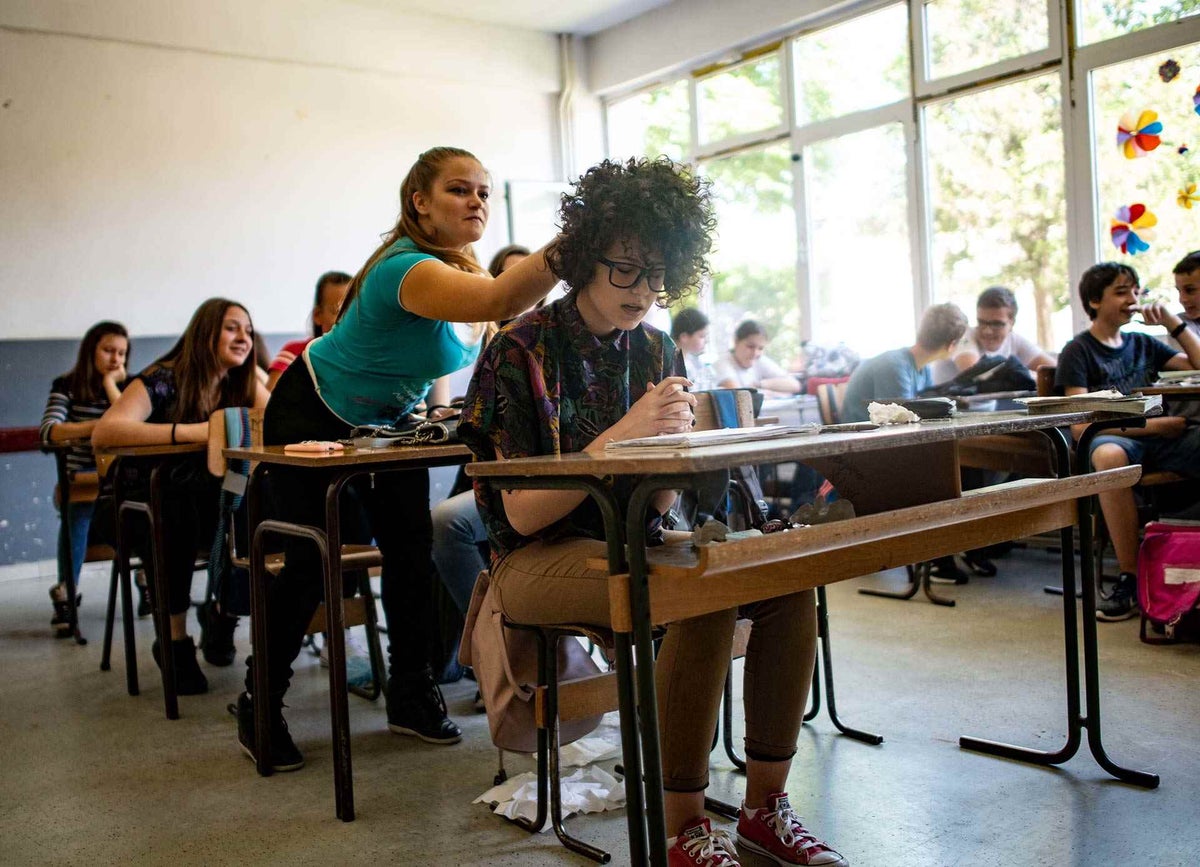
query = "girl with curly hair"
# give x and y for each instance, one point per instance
(582, 371)
(393, 337)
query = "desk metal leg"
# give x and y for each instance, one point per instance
(335, 619)
(259, 618)
(827, 660)
(919, 578)
(1075, 722)
(162, 605)
(631, 754)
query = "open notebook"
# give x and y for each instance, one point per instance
(721, 436)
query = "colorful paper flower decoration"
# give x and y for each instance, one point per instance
(1187, 197)
(1137, 135)
(1132, 229)
(1196, 100)
(1168, 71)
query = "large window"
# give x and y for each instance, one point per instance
(917, 152)
(996, 192)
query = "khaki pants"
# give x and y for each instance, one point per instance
(549, 582)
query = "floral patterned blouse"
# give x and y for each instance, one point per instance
(546, 385)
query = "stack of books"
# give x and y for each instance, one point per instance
(1096, 401)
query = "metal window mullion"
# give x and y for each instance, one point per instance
(803, 273)
(1079, 175)
(1130, 46)
(848, 124)
(920, 237)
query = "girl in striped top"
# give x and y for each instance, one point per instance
(77, 400)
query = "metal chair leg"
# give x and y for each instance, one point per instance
(109, 619)
(918, 579)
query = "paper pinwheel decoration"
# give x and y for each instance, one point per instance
(1196, 100)
(1137, 135)
(1168, 71)
(1132, 229)
(1187, 197)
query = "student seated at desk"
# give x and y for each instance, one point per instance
(1105, 357)
(585, 370)
(992, 336)
(209, 368)
(901, 374)
(1187, 284)
(745, 366)
(77, 400)
(331, 290)
(689, 330)
(394, 336)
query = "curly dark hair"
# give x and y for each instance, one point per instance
(659, 203)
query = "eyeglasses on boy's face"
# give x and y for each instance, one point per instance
(627, 275)
(992, 324)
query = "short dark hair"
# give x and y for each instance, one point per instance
(748, 329)
(329, 278)
(659, 203)
(1098, 278)
(1188, 264)
(689, 320)
(998, 296)
(941, 325)
(496, 267)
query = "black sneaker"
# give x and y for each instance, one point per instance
(216, 635)
(420, 710)
(284, 755)
(189, 679)
(1121, 603)
(61, 621)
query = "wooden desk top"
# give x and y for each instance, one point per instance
(163, 449)
(418, 456)
(654, 461)
(1169, 391)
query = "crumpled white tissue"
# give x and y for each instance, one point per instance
(890, 413)
(587, 750)
(588, 790)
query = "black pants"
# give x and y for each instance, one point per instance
(396, 510)
(190, 498)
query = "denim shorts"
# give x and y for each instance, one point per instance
(1180, 455)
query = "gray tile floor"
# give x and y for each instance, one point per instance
(92, 776)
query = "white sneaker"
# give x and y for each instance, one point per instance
(358, 659)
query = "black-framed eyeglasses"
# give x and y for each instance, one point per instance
(627, 275)
(992, 324)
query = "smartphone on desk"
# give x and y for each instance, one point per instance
(849, 427)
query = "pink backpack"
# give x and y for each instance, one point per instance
(1169, 580)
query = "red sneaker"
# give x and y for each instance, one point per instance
(775, 832)
(700, 846)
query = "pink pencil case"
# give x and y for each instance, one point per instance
(314, 447)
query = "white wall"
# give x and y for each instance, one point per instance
(153, 154)
(689, 33)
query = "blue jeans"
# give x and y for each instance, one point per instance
(457, 533)
(73, 539)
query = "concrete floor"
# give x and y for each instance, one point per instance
(93, 776)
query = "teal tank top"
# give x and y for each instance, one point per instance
(380, 360)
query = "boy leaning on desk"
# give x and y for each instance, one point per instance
(1105, 357)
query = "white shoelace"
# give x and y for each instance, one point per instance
(714, 850)
(788, 828)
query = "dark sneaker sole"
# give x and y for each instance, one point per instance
(429, 739)
(1105, 617)
(283, 769)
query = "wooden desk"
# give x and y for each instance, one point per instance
(1169, 391)
(903, 482)
(328, 540)
(163, 455)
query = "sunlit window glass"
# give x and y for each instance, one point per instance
(1140, 125)
(747, 98)
(1104, 19)
(967, 34)
(861, 271)
(650, 123)
(831, 65)
(754, 263)
(997, 196)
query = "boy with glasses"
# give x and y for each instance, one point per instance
(991, 336)
(1105, 357)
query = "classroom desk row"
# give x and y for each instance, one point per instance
(902, 480)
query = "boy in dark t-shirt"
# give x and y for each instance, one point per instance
(1104, 357)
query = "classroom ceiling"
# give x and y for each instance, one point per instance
(581, 17)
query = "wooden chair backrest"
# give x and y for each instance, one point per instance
(706, 413)
(1045, 380)
(829, 401)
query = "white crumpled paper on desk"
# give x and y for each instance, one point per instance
(588, 790)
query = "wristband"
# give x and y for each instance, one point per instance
(174, 442)
(1178, 329)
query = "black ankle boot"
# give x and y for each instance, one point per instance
(284, 755)
(415, 707)
(189, 679)
(216, 635)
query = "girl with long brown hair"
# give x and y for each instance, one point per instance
(393, 338)
(209, 368)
